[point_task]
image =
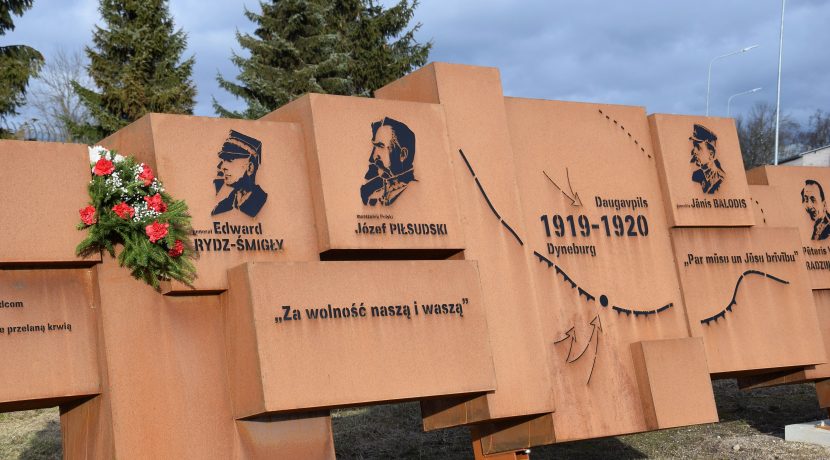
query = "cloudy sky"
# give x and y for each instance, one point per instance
(653, 53)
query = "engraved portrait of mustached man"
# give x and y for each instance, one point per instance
(709, 173)
(812, 197)
(239, 161)
(391, 163)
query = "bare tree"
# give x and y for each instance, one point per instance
(756, 132)
(53, 97)
(817, 133)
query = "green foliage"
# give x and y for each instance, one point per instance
(18, 63)
(148, 261)
(381, 47)
(347, 47)
(7, 9)
(292, 53)
(135, 65)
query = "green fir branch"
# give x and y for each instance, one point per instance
(126, 238)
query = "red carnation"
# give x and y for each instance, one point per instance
(146, 175)
(123, 210)
(88, 215)
(156, 231)
(177, 249)
(155, 203)
(103, 167)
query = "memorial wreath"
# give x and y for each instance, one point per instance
(129, 206)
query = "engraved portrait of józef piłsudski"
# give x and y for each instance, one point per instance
(708, 173)
(391, 167)
(239, 161)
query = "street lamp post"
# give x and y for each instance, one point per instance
(778, 94)
(729, 101)
(709, 77)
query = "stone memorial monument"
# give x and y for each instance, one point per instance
(531, 269)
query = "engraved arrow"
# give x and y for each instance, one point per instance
(574, 196)
(569, 334)
(597, 325)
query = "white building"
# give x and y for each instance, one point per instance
(815, 157)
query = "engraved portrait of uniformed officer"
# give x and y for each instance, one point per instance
(812, 197)
(240, 158)
(709, 173)
(390, 164)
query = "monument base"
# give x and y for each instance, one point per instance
(817, 432)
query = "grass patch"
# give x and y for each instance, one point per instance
(31, 435)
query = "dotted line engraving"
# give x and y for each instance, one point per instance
(616, 123)
(763, 215)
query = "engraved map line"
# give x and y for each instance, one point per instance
(734, 302)
(490, 204)
(596, 323)
(603, 300)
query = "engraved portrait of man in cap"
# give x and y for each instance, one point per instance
(708, 172)
(391, 167)
(240, 158)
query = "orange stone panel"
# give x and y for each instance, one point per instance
(702, 171)
(802, 203)
(86, 429)
(166, 386)
(346, 333)
(506, 436)
(48, 337)
(674, 395)
(823, 393)
(488, 200)
(768, 207)
(599, 252)
(42, 188)
(380, 175)
(289, 436)
(806, 374)
(195, 158)
(747, 295)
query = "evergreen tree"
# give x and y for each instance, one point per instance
(135, 65)
(381, 47)
(17, 62)
(293, 52)
(347, 47)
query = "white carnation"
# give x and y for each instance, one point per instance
(95, 153)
